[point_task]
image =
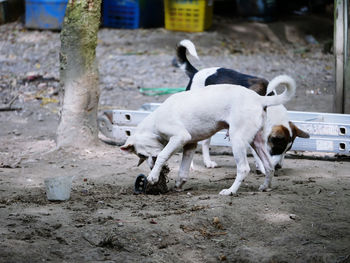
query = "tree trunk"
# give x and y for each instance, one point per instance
(79, 74)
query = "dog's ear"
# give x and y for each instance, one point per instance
(141, 160)
(128, 147)
(298, 132)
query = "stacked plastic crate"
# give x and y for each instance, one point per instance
(45, 14)
(132, 14)
(188, 15)
(49, 14)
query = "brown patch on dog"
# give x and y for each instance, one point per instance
(258, 85)
(280, 131)
(279, 139)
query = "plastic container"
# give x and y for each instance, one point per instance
(58, 188)
(188, 15)
(45, 14)
(131, 14)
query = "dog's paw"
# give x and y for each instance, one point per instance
(211, 164)
(180, 183)
(152, 179)
(278, 166)
(226, 192)
(263, 188)
(177, 189)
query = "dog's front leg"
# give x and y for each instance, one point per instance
(187, 157)
(174, 143)
(206, 155)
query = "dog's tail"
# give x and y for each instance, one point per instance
(287, 94)
(182, 61)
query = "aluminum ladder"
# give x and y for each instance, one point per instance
(328, 132)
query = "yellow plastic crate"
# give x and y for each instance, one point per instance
(188, 15)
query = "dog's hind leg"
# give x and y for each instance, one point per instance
(239, 149)
(206, 155)
(259, 146)
(187, 156)
(174, 143)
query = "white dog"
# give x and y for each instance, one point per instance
(279, 131)
(188, 117)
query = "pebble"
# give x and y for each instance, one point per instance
(16, 132)
(222, 258)
(40, 117)
(42, 85)
(293, 217)
(57, 226)
(153, 222)
(216, 220)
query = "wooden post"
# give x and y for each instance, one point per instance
(346, 60)
(342, 63)
(339, 55)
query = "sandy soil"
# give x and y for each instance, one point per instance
(305, 218)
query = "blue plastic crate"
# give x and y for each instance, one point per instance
(121, 13)
(45, 14)
(131, 14)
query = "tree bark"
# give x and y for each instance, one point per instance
(79, 75)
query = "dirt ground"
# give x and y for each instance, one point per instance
(305, 218)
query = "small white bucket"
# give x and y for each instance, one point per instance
(58, 188)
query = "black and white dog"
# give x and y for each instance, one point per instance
(279, 132)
